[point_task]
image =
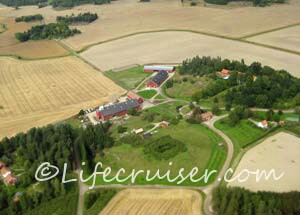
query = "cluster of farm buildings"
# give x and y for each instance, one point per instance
(134, 101)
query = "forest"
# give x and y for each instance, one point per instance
(30, 18)
(255, 2)
(80, 18)
(248, 85)
(234, 201)
(56, 144)
(47, 31)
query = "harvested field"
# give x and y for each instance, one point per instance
(119, 19)
(153, 202)
(173, 47)
(35, 93)
(288, 38)
(32, 49)
(280, 152)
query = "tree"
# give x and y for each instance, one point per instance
(215, 109)
(297, 99)
(228, 107)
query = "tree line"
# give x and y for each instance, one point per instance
(234, 201)
(56, 144)
(80, 18)
(255, 2)
(54, 3)
(47, 31)
(248, 85)
(30, 18)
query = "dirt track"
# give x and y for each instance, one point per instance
(174, 47)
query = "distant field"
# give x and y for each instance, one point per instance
(153, 202)
(32, 49)
(33, 93)
(241, 134)
(138, 49)
(232, 22)
(280, 152)
(287, 38)
(128, 79)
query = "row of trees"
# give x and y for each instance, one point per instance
(30, 18)
(54, 3)
(48, 31)
(80, 18)
(255, 2)
(231, 201)
(250, 86)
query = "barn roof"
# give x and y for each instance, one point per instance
(119, 107)
(160, 77)
(159, 67)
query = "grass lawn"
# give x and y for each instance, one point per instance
(203, 152)
(159, 97)
(128, 79)
(242, 134)
(168, 109)
(185, 89)
(147, 94)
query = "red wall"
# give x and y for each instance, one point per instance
(152, 84)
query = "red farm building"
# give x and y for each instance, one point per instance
(119, 109)
(158, 79)
(158, 68)
(133, 95)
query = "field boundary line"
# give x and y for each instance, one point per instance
(269, 31)
(191, 31)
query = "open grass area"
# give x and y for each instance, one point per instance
(203, 152)
(168, 109)
(128, 79)
(147, 94)
(242, 134)
(185, 86)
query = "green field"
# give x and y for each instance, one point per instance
(168, 109)
(185, 86)
(242, 134)
(130, 78)
(203, 152)
(147, 94)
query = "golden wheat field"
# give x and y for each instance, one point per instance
(285, 148)
(34, 93)
(288, 38)
(32, 49)
(163, 47)
(121, 18)
(153, 202)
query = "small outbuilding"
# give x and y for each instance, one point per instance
(206, 116)
(263, 124)
(158, 68)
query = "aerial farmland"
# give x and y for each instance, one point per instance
(112, 93)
